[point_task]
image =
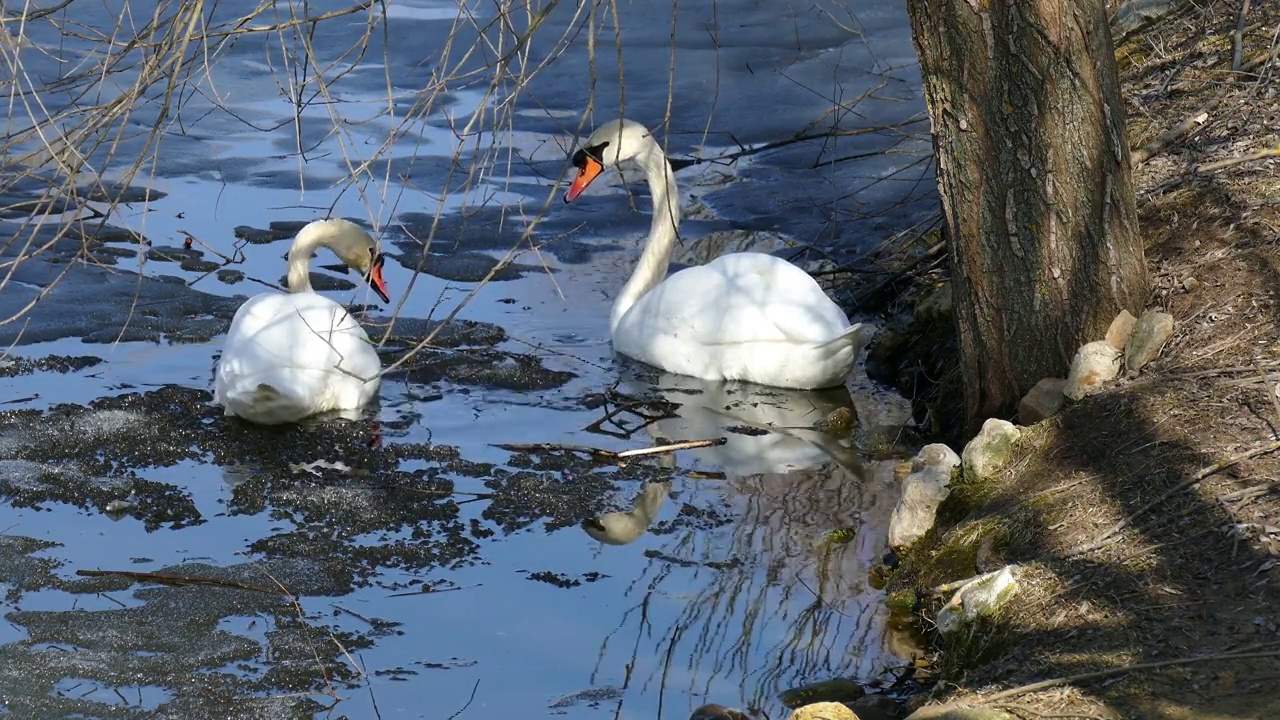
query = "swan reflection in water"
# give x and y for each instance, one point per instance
(767, 431)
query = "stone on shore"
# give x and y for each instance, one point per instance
(1121, 330)
(990, 449)
(1042, 401)
(823, 711)
(1150, 334)
(982, 596)
(1095, 364)
(922, 492)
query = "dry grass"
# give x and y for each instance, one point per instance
(1198, 574)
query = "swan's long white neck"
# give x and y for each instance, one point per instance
(304, 246)
(663, 232)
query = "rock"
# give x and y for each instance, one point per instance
(1095, 364)
(958, 712)
(823, 711)
(1190, 284)
(1149, 336)
(1120, 330)
(1134, 15)
(826, 692)
(711, 711)
(990, 450)
(1042, 401)
(981, 596)
(840, 422)
(877, 707)
(922, 492)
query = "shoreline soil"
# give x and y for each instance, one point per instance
(1171, 616)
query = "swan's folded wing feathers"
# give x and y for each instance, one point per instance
(303, 331)
(741, 298)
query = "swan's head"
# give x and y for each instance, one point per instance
(613, 143)
(353, 246)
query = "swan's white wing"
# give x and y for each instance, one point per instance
(306, 347)
(739, 298)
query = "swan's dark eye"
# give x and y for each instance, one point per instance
(595, 152)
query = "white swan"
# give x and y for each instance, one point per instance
(743, 316)
(289, 356)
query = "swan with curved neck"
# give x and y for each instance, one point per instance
(743, 316)
(290, 356)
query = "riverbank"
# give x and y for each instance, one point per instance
(1145, 520)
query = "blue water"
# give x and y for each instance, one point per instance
(680, 616)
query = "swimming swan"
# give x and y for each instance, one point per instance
(743, 316)
(289, 356)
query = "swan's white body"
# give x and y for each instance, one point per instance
(290, 356)
(743, 316)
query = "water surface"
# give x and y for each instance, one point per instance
(434, 570)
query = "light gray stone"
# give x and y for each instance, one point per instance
(1121, 329)
(981, 596)
(922, 492)
(1150, 334)
(1042, 401)
(823, 711)
(1095, 364)
(1134, 15)
(713, 711)
(990, 450)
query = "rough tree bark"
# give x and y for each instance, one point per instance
(1033, 169)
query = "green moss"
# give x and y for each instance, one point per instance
(901, 601)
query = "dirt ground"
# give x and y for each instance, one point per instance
(1186, 454)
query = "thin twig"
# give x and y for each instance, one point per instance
(1275, 401)
(433, 591)
(469, 700)
(167, 579)
(611, 455)
(672, 447)
(1195, 120)
(1104, 539)
(1238, 160)
(1237, 38)
(1109, 672)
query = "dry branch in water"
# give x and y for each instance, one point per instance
(179, 580)
(611, 455)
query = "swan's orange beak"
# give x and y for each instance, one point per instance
(375, 280)
(587, 173)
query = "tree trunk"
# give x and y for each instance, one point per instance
(1033, 169)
